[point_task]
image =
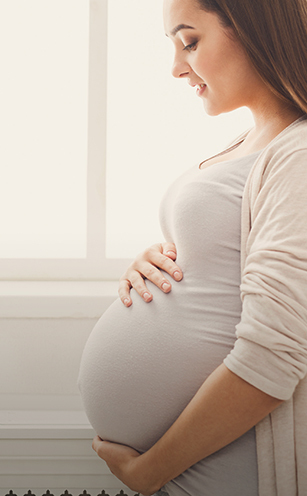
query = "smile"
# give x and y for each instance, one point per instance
(200, 88)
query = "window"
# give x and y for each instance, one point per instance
(94, 129)
(53, 107)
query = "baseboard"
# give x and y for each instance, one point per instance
(49, 453)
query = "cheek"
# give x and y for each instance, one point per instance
(202, 66)
(212, 66)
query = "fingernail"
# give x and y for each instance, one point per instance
(126, 301)
(170, 252)
(177, 275)
(165, 286)
(146, 296)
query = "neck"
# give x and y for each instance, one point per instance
(271, 118)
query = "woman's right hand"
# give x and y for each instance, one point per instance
(148, 265)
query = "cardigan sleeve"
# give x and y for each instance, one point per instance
(271, 347)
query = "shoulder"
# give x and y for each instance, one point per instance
(290, 140)
(293, 137)
(288, 149)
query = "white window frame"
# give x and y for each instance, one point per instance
(95, 267)
(74, 288)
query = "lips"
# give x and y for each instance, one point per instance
(195, 84)
(200, 89)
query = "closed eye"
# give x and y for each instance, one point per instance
(190, 47)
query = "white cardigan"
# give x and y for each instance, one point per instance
(271, 349)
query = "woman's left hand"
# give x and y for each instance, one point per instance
(124, 463)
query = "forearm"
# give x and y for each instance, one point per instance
(224, 408)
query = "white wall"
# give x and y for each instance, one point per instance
(45, 437)
(39, 362)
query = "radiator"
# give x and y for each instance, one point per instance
(66, 492)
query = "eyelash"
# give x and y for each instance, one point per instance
(190, 47)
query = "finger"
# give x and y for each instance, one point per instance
(150, 264)
(113, 451)
(169, 249)
(155, 256)
(104, 449)
(138, 284)
(154, 274)
(124, 292)
(97, 444)
(164, 263)
(133, 279)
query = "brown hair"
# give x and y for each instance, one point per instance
(274, 34)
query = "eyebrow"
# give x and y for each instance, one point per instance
(179, 28)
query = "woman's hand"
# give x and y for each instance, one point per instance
(126, 464)
(222, 410)
(148, 265)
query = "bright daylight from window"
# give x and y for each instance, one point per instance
(156, 127)
(44, 96)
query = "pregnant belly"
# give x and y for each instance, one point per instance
(143, 364)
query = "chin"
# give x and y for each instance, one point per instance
(211, 111)
(214, 110)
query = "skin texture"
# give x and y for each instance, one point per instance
(225, 407)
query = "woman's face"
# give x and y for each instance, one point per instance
(210, 57)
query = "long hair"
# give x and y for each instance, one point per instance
(274, 35)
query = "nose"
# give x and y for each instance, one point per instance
(180, 67)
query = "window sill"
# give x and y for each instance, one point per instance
(56, 299)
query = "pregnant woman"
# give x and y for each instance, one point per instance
(202, 391)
